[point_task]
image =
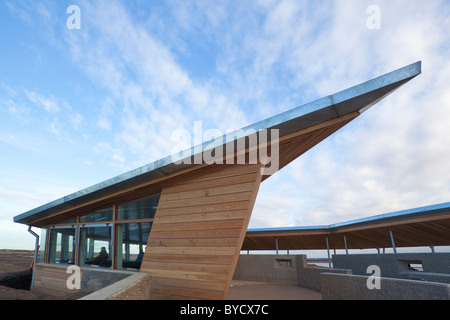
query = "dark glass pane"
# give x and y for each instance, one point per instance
(144, 208)
(73, 220)
(98, 216)
(132, 242)
(95, 246)
(62, 245)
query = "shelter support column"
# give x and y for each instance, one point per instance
(345, 243)
(328, 252)
(392, 240)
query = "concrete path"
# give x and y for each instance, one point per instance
(250, 290)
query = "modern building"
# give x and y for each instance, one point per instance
(183, 219)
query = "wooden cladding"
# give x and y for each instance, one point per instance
(293, 146)
(52, 280)
(198, 231)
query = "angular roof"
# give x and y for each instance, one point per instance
(424, 226)
(329, 114)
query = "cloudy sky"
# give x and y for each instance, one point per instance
(83, 100)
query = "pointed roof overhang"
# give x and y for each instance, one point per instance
(299, 130)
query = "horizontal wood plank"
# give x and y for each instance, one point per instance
(198, 225)
(195, 267)
(208, 192)
(197, 232)
(224, 181)
(211, 251)
(218, 243)
(192, 234)
(183, 258)
(206, 208)
(188, 275)
(197, 217)
(216, 199)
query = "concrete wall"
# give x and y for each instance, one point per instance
(436, 266)
(96, 279)
(309, 276)
(291, 269)
(134, 287)
(267, 268)
(354, 287)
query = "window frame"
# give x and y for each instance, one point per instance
(116, 244)
(114, 223)
(80, 247)
(47, 246)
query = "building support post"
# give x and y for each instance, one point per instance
(392, 240)
(276, 244)
(345, 243)
(328, 251)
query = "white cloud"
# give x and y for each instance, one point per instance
(76, 120)
(392, 157)
(269, 56)
(104, 123)
(288, 53)
(17, 109)
(155, 93)
(48, 103)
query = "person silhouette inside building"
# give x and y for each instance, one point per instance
(102, 258)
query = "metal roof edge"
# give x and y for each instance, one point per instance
(436, 208)
(402, 74)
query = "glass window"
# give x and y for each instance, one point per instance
(98, 216)
(72, 220)
(62, 245)
(95, 246)
(144, 208)
(132, 241)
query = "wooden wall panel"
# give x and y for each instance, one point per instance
(198, 231)
(51, 279)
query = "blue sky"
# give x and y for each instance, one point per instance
(81, 106)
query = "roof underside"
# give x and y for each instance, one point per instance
(299, 130)
(426, 226)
